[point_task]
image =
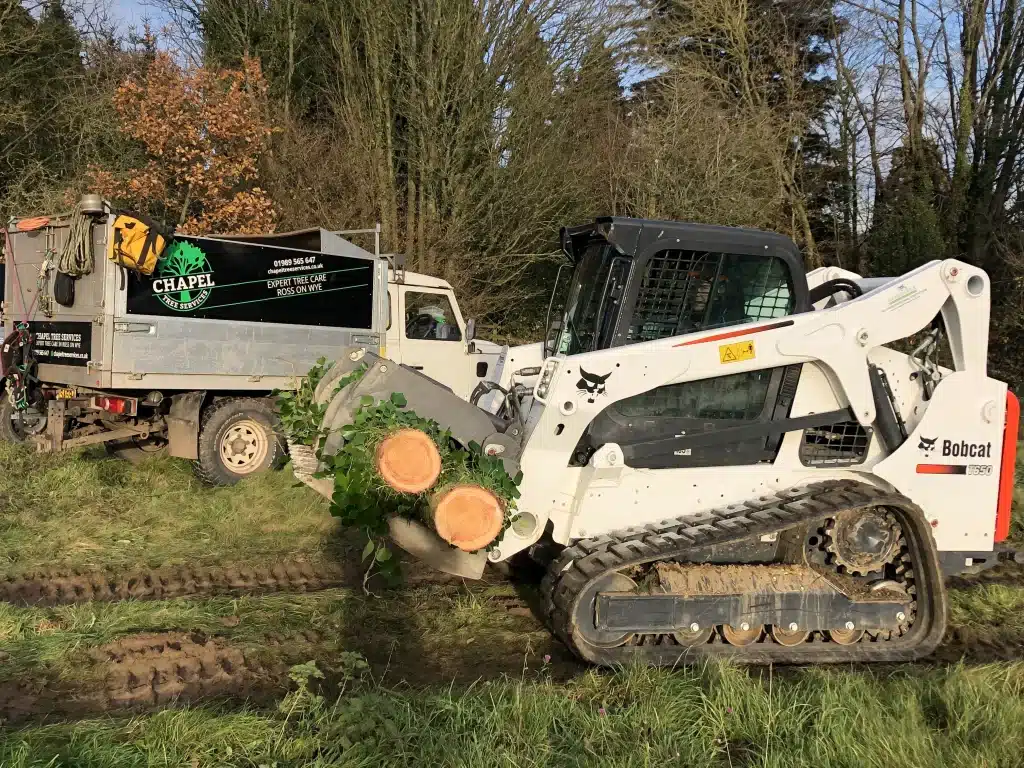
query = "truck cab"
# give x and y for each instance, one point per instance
(427, 332)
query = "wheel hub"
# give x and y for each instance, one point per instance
(862, 542)
(244, 446)
(31, 421)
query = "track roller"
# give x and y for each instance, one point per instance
(739, 636)
(788, 637)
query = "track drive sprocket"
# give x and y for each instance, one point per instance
(861, 542)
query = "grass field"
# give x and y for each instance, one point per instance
(91, 511)
(427, 675)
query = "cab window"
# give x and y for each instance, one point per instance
(430, 316)
(689, 291)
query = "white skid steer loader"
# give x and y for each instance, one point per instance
(725, 456)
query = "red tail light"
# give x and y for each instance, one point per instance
(1008, 466)
(118, 405)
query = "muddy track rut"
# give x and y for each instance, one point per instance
(149, 671)
(58, 587)
(142, 672)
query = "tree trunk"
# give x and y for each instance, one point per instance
(408, 461)
(467, 516)
(291, 61)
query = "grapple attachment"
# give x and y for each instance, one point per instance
(359, 373)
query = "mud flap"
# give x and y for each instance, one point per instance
(183, 425)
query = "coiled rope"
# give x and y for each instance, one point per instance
(76, 258)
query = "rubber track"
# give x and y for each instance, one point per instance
(61, 588)
(587, 560)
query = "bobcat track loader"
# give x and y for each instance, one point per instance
(727, 456)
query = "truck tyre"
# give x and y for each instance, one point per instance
(15, 427)
(237, 438)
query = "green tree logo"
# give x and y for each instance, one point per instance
(186, 279)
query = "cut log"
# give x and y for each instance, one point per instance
(467, 516)
(408, 461)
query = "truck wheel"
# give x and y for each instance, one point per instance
(237, 438)
(15, 425)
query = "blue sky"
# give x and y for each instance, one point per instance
(132, 12)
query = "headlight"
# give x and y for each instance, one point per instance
(546, 376)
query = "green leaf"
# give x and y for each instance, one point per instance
(368, 550)
(518, 478)
(366, 401)
(383, 553)
(399, 399)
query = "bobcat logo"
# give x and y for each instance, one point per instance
(927, 445)
(591, 384)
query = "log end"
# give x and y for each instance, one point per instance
(408, 461)
(468, 517)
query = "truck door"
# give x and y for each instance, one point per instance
(433, 337)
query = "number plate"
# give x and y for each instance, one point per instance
(66, 394)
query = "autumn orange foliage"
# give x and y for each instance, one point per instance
(203, 131)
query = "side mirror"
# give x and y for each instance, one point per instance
(470, 329)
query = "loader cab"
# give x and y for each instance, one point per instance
(635, 280)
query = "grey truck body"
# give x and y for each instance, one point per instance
(115, 337)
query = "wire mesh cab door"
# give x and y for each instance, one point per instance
(688, 278)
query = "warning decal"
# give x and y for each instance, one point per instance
(734, 353)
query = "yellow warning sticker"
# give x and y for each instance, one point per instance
(734, 353)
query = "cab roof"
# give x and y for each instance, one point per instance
(631, 236)
(419, 280)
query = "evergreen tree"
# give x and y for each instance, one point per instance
(40, 68)
(906, 231)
